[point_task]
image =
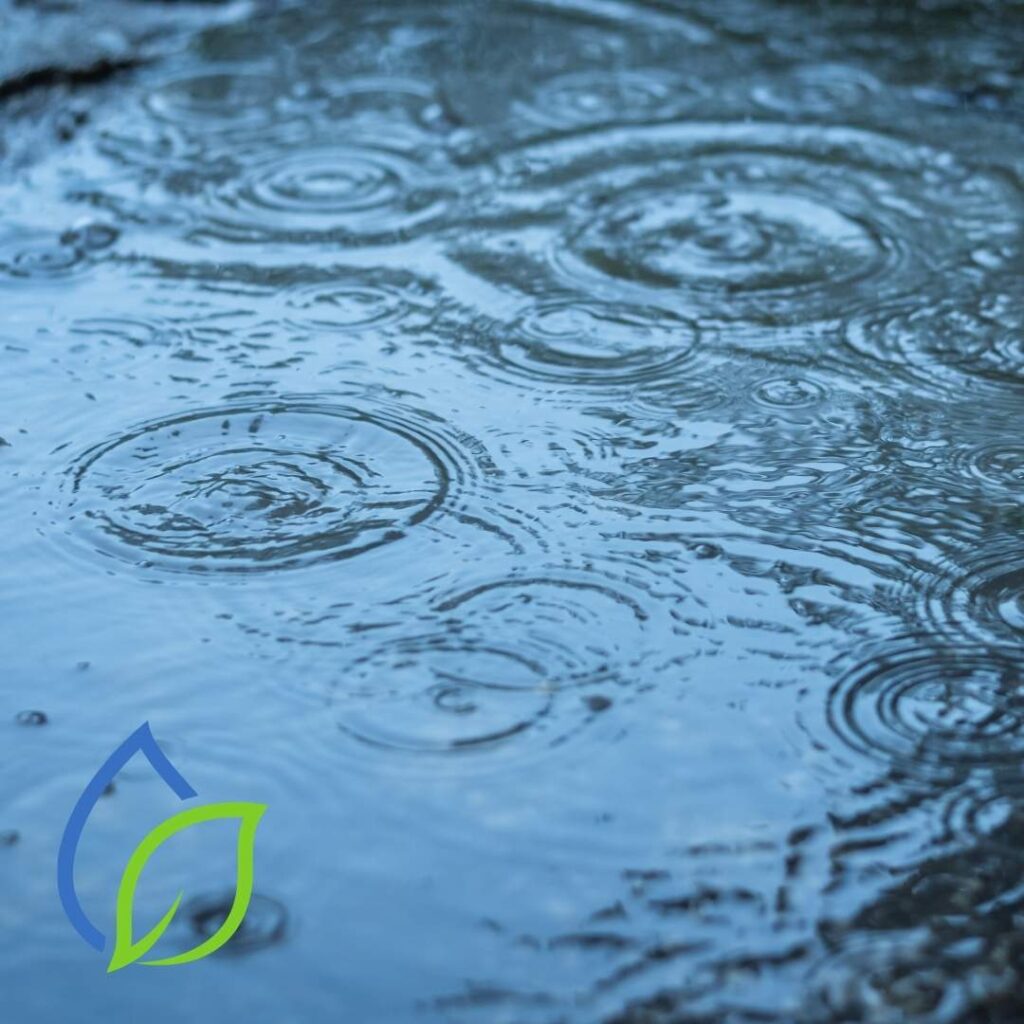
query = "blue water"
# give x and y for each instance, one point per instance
(565, 460)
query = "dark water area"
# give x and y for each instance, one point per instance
(565, 459)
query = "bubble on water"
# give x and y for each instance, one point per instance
(258, 487)
(931, 711)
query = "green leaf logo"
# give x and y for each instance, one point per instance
(126, 949)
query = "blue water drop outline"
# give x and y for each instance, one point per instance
(142, 742)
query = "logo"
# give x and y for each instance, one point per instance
(128, 949)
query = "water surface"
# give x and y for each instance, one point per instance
(565, 459)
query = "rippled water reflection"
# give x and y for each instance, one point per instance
(564, 458)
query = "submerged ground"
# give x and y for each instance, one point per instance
(564, 459)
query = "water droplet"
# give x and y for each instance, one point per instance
(265, 923)
(32, 718)
(788, 393)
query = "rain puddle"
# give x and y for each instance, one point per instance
(564, 459)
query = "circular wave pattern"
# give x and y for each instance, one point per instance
(788, 393)
(392, 98)
(348, 307)
(443, 696)
(729, 234)
(818, 89)
(932, 711)
(218, 101)
(981, 597)
(582, 98)
(134, 331)
(751, 224)
(359, 189)
(887, 981)
(986, 819)
(40, 256)
(40, 261)
(939, 344)
(582, 630)
(456, 689)
(260, 487)
(586, 342)
(997, 464)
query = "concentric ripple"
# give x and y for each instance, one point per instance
(759, 224)
(582, 630)
(38, 257)
(727, 234)
(886, 981)
(998, 464)
(941, 344)
(933, 711)
(582, 98)
(367, 187)
(135, 331)
(443, 696)
(392, 98)
(817, 89)
(980, 596)
(27, 253)
(788, 393)
(253, 488)
(579, 342)
(350, 305)
(986, 818)
(215, 101)
(492, 670)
